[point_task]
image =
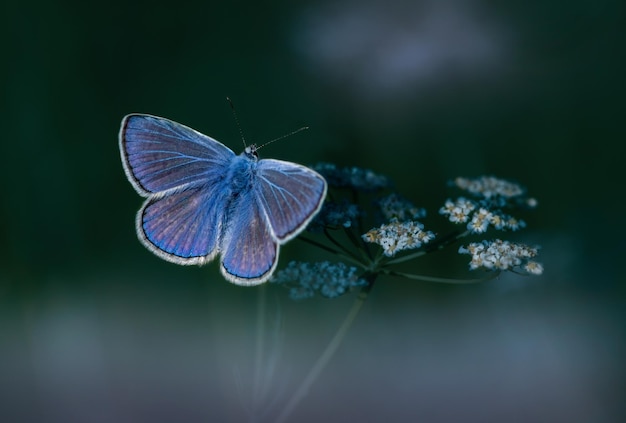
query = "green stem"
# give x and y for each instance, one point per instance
(328, 353)
(261, 312)
(446, 240)
(318, 245)
(406, 258)
(339, 245)
(359, 245)
(493, 275)
(331, 250)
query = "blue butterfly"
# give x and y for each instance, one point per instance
(203, 200)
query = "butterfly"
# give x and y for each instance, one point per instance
(203, 200)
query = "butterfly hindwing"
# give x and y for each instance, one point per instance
(183, 227)
(249, 250)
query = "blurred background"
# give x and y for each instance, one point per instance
(94, 328)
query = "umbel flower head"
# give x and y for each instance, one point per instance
(360, 198)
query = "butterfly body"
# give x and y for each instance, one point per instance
(203, 200)
(242, 173)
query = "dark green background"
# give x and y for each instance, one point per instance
(95, 328)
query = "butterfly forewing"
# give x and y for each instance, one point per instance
(159, 154)
(290, 194)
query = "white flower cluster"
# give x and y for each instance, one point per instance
(489, 186)
(328, 279)
(335, 215)
(461, 210)
(352, 177)
(396, 236)
(502, 255)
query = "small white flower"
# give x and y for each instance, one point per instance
(480, 221)
(514, 224)
(457, 211)
(534, 268)
(448, 207)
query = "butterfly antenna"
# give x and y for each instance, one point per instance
(232, 107)
(284, 136)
